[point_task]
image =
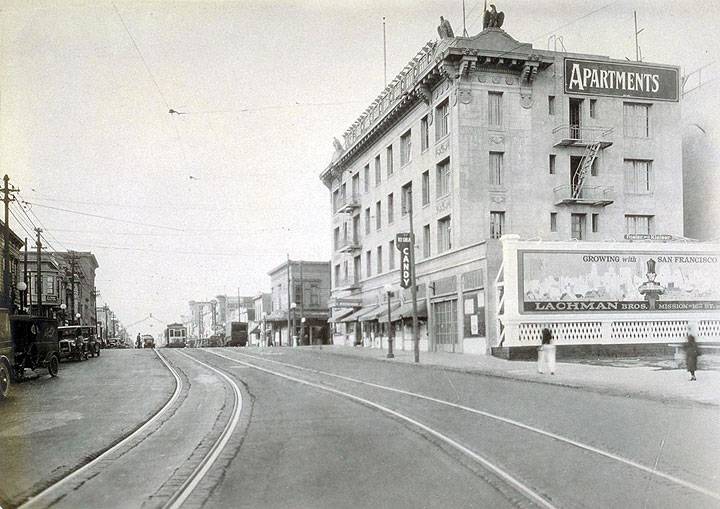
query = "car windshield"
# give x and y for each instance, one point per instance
(68, 333)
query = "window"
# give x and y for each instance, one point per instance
(378, 215)
(337, 275)
(426, 241)
(595, 223)
(553, 221)
(343, 193)
(368, 263)
(496, 168)
(336, 200)
(391, 255)
(593, 108)
(551, 164)
(406, 198)
(405, 148)
(497, 224)
(355, 185)
(636, 120)
(444, 234)
(378, 171)
(443, 178)
(426, 187)
(442, 119)
(424, 134)
(366, 177)
(367, 221)
(595, 167)
(389, 160)
(336, 238)
(551, 105)
(391, 208)
(356, 268)
(641, 225)
(379, 260)
(495, 109)
(577, 226)
(638, 176)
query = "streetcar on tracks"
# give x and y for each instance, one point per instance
(176, 336)
(147, 341)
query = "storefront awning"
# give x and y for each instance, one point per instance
(357, 315)
(405, 311)
(340, 317)
(380, 313)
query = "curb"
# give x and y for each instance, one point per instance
(611, 391)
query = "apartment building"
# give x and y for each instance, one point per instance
(483, 136)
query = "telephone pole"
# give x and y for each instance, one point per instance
(7, 198)
(38, 244)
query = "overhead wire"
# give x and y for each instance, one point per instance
(42, 226)
(34, 227)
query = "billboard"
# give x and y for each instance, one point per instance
(640, 81)
(615, 281)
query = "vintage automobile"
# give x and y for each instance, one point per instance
(148, 341)
(7, 354)
(35, 342)
(78, 342)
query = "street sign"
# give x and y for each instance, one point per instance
(403, 241)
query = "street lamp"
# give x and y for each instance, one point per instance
(63, 307)
(77, 318)
(293, 305)
(21, 287)
(389, 292)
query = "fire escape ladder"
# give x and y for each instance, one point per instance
(591, 152)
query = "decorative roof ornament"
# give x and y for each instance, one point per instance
(493, 18)
(444, 29)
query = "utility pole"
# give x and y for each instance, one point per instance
(7, 198)
(302, 304)
(637, 32)
(38, 244)
(27, 282)
(384, 53)
(413, 284)
(465, 33)
(72, 287)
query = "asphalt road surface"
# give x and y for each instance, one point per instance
(282, 428)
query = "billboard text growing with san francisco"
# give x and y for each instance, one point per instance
(581, 282)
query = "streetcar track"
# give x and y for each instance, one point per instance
(103, 455)
(560, 438)
(502, 474)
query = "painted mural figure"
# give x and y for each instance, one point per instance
(650, 289)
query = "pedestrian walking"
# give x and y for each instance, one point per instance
(691, 355)
(138, 341)
(546, 353)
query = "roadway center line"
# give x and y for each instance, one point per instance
(560, 438)
(496, 470)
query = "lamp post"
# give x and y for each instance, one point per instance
(77, 319)
(21, 287)
(63, 307)
(293, 338)
(389, 292)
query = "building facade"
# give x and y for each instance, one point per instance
(304, 309)
(78, 291)
(479, 137)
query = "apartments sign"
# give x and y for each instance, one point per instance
(630, 80)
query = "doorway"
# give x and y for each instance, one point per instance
(575, 116)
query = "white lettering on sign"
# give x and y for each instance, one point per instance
(582, 78)
(405, 267)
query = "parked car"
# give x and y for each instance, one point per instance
(78, 342)
(35, 342)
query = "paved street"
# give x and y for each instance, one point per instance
(312, 428)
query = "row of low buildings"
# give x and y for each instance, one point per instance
(546, 189)
(297, 301)
(62, 286)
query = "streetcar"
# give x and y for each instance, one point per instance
(176, 336)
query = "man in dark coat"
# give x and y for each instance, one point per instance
(691, 355)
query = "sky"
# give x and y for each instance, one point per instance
(208, 201)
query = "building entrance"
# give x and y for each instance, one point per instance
(445, 319)
(575, 116)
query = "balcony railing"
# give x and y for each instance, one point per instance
(347, 204)
(596, 196)
(582, 136)
(347, 245)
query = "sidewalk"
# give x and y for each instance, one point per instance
(625, 379)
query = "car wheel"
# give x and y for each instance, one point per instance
(4, 380)
(54, 366)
